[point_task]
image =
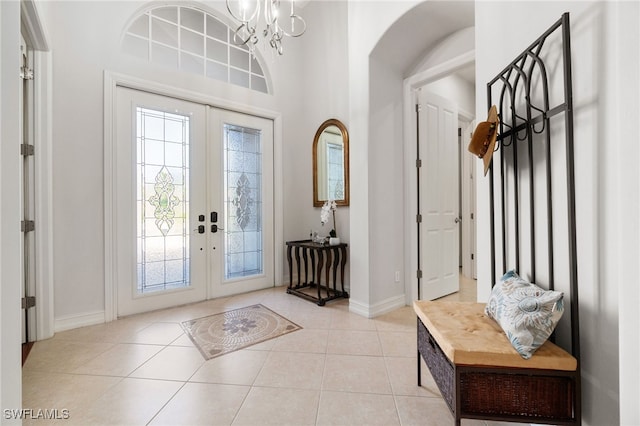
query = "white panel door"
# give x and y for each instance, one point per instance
(160, 218)
(438, 144)
(241, 181)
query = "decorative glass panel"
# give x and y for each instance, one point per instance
(243, 201)
(162, 146)
(188, 39)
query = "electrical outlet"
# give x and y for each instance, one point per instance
(397, 276)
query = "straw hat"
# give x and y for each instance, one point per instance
(483, 140)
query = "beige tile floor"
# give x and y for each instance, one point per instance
(340, 369)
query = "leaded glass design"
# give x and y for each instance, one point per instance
(335, 169)
(194, 41)
(164, 200)
(162, 168)
(243, 202)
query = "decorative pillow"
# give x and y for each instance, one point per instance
(527, 313)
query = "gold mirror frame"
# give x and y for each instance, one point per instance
(317, 202)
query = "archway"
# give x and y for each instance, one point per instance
(432, 40)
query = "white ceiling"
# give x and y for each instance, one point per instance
(410, 38)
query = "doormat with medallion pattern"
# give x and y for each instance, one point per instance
(230, 331)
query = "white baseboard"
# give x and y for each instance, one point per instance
(76, 321)
(377, 309)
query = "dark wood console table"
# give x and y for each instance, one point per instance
(329, 259)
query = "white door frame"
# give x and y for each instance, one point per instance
(468, 207)
(410, 84)
(111, 81)
(36, 38)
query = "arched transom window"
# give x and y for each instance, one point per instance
(192, 40)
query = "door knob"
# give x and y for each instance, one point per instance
(457, 220)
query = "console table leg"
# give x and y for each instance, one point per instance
(327, 273)
(320, 260)
(298, 264)
(290, 266)
(306, 269)
(343, 264)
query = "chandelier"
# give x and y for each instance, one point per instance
(276, 23)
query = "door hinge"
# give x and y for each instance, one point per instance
(26, 73)
(418, 107)
(472, 257)
(459, 131)
(27, 225)
(26, 149)
(418, 163)
(419, 218)
(419, 273)
(28, 302)
(471, 216)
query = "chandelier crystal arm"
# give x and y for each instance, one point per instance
(273, 32)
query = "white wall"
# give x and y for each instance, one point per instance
(457, 89)
(322, 69)
(386, 185)
(10, 237)
(626, 41)
(370, 289)
(452, 46)
(600, 200)
(378, 182)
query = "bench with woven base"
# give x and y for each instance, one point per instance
(480, 375)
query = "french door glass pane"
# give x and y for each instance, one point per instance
(162, 168)
(243, 202)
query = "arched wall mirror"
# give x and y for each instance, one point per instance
(331, 164)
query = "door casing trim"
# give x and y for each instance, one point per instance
(111, 81)
(410, 85)
(36, 37)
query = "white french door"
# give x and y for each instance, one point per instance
(241, 182)
(194, 196)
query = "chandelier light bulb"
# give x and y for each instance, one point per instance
(273, 32)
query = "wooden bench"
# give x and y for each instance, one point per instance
(480, 375)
